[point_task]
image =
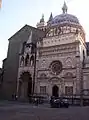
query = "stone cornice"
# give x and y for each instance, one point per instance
(63, 28)
(62, 69)
(69, 68)
(59, 47)
(43, 69)
(58, 54)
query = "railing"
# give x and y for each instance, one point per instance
(76, 99)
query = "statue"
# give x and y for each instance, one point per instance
(28, 50)
(22, 61)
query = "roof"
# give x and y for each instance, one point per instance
(65, 18)
(4, 59)
(26, 28)
(25, 33)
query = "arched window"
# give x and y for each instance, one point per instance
(32, 60)
(83, 57)
(26, 59)
(43, 75)
(68, 75)
(68, 62)
(22, 60)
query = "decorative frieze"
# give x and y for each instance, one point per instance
(64, 29)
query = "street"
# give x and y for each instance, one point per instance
(41, 112)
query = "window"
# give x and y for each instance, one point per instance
(56, 67)
(87, 52)
(83, 57)
(68, 90)
(43, 89)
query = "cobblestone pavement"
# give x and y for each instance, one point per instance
(42, 112)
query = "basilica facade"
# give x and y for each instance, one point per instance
(57, 59)
(56, 63)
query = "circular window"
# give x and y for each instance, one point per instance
(56, 67)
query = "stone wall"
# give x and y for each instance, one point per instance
(12, 62)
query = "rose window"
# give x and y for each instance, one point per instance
(56, 67)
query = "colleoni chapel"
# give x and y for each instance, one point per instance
(51, 59)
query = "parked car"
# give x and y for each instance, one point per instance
(56, 102)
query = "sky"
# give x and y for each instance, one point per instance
(14, 14)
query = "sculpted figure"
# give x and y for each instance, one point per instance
(22, 61)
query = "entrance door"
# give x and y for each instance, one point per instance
(26, 84)
(55, 91)
(29, 87)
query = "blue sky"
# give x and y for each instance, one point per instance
(14, 14)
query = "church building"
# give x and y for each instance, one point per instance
(50, 60)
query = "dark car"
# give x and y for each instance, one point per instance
(56, 102)
(64, 103)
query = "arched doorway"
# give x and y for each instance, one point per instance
(26, 86)
(55, 90)
(29, 91)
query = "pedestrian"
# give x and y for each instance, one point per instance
(36, 101)
(16, 97)
(12, 96)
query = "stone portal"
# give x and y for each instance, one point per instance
(26, 85)
(55, 90)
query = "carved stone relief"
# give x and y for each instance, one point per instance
(28, 50)
(22, 61)
(56, 80)
(61, 30)
(55, 67)
(43, 64)
(68, 62)
(68, 75)
(43, 76)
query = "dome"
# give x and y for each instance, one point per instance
(64, 18)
